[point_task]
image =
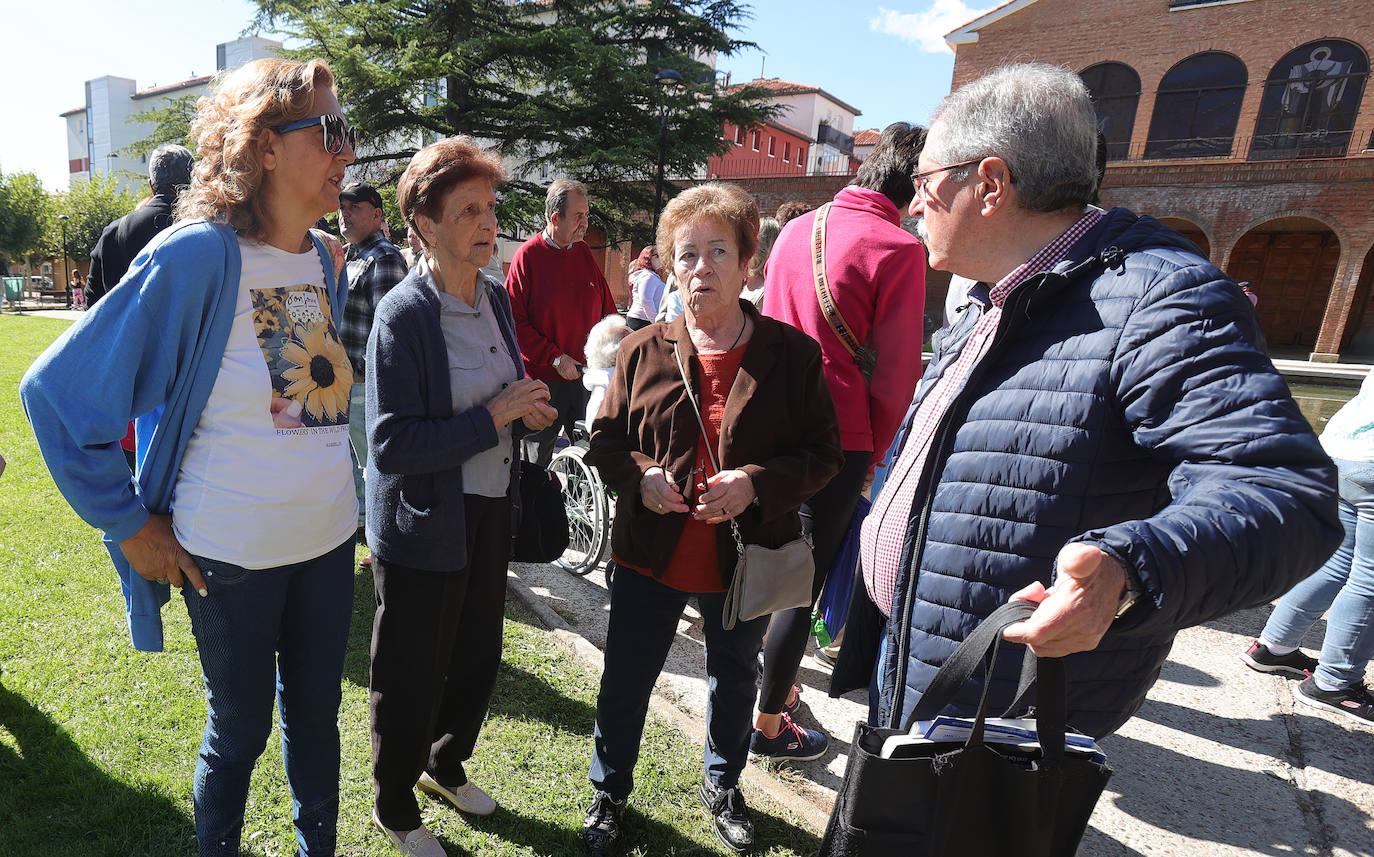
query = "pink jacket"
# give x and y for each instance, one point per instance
(877, 274)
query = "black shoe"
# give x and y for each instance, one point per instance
(601, 828)
(730, 817)
(1354, 701)
(1293, 665)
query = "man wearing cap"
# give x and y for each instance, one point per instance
(557, 292)
(374, 266)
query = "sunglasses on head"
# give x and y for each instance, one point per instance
(336, 131)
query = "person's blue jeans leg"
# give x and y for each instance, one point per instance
(357, 442)
(310, 660)
(731, 671)
(1349, 642)
(643, 620)
(1305, 603)
(238, 628)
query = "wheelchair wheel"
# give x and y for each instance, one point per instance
(589, 511)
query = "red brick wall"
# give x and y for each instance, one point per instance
(1225, 197)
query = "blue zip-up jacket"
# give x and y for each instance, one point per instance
(416, 443)
(1122, 403)
(150, 351)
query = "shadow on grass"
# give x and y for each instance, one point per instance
(54, 800)
(522, 695)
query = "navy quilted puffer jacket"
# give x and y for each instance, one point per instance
(1123, 403)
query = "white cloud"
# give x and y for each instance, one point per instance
(927, 28)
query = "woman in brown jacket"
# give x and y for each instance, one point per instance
(771, 425)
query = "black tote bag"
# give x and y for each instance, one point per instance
(971, 799)
(540, 533)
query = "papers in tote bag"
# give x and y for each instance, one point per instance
(1019, 732)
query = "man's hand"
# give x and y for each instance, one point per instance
(156, 555)
(1076, 612)
(566, 367)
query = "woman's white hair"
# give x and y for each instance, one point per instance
(604, 341)
(1037, 118)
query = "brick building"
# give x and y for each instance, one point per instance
(1247, 124)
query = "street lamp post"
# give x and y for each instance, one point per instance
(665, 78)
(66, 275)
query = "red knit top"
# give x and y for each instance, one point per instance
(695, 564)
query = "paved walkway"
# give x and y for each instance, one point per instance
(1217, 762)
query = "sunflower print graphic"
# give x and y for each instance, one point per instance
(319, 373)
(311, 373)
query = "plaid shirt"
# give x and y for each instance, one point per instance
(885, 528)
(374, 266)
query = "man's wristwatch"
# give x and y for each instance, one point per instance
(1135, 590)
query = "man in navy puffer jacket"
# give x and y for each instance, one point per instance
(1098, 433)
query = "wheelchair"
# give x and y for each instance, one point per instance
(589, 503)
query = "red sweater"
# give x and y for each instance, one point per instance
(556, 296)
(877, 274)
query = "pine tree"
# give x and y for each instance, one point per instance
(553, 83)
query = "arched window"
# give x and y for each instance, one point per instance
(1115, 89)
(1309, 103)
(1197, 108)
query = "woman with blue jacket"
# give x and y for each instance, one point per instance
(445, 384)
(221, 342)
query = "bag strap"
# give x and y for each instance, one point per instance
(696, 410)
(862, 356)
(981, 646)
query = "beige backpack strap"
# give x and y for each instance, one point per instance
(865, 357)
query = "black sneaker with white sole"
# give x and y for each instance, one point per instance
(1293, 665)
(793, 742)
(1354, 701)
(600, 834)
(730, 816)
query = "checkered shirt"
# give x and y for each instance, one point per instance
(374, 266)
(885, 528)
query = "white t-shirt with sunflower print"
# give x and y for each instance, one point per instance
(267, 478)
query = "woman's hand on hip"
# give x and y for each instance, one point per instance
(658, 493)
(522, 398)
(727, 494)
(156, 555)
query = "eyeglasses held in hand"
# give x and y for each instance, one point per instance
(335, 131)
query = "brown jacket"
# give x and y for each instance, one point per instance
(779, 427)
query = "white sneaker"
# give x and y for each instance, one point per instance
(417, 843)
(469, 797)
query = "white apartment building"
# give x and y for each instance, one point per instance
(103, 125)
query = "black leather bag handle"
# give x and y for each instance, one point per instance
(1051, 709)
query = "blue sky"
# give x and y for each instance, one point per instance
(884, 57)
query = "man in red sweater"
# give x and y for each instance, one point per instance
(876, 274)
(557, 293)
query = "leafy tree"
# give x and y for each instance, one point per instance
(25, 209)
(563, 84)
(90, 205)
(171, 124)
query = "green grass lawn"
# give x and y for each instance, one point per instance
(98, 741)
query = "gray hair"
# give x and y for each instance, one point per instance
(769, 227)
(1037, 118)
(556, 202)
(169, 168)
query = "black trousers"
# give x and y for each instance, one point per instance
(827, 515)
(436, 645)
(569, 398)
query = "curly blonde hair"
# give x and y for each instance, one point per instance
(246, 103)
(728, 203)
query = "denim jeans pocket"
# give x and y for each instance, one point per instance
(219, 573)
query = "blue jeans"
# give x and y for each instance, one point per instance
(279, 631)
(643, 621)
(1345, 584)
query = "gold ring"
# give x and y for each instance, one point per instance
(660, 507)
